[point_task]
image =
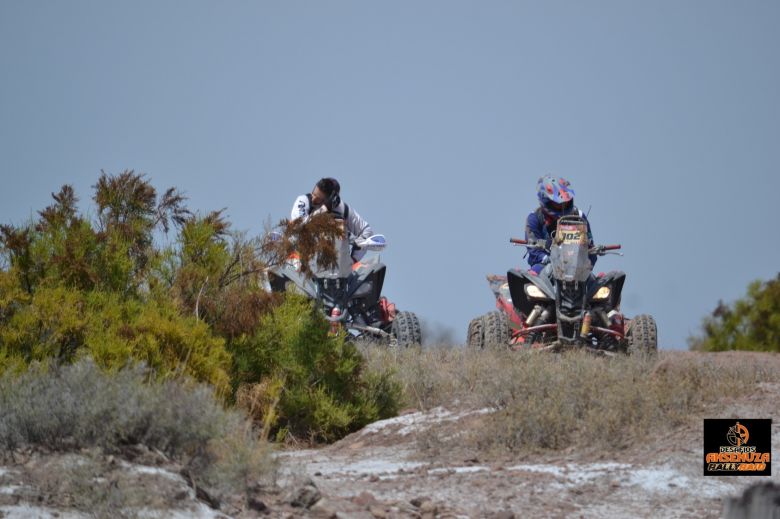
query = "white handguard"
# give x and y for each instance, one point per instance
(375, 243)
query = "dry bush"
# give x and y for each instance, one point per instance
(436, 376)
(79, 406)
(549, 401)
(80, 482)
(261, 401)
(312, 240)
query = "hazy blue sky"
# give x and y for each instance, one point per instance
(436, 116)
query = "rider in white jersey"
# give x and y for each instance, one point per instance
(325, 197)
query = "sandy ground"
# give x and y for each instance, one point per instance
(392, 461)
(658, 479)
(392, 469)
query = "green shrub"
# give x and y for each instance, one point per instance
(62, 324)
(751, 323)
(75, 288)
(72, 287)
(315, 386)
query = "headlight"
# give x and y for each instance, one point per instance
(534, 291)
(602, 293)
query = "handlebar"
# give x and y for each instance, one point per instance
(542, 244)
(601, 250)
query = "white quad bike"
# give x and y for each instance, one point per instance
(350, 294)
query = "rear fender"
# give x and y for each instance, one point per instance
(505, 305)
(500, 288)
(498, 285)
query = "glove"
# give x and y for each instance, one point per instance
(320, 210)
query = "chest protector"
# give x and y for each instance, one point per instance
(550, 224)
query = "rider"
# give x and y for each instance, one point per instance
(325, 197)
(556, 199)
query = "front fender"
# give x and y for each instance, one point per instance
(517, 280)
(615, 280)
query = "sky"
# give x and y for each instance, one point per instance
(436, 116)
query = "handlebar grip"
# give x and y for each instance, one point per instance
(610, 247)
(518, 241)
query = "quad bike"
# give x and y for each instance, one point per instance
(350, 294)
(565, 305)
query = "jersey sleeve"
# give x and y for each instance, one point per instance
(534, 231)
(357, 225)
(300, 208)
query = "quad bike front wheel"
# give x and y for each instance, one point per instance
(496, 330)
(406, 329)
(642, 335)
(475, 336)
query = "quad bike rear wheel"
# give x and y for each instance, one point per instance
(496, 330)
(406, 329)
(475, 336)
(642, 335)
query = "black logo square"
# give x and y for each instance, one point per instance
(738, 447)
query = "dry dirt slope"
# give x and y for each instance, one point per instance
(661, 477)
(398, 468)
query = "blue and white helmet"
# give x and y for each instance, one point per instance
(555, 196)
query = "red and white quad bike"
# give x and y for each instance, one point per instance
(565, 305)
